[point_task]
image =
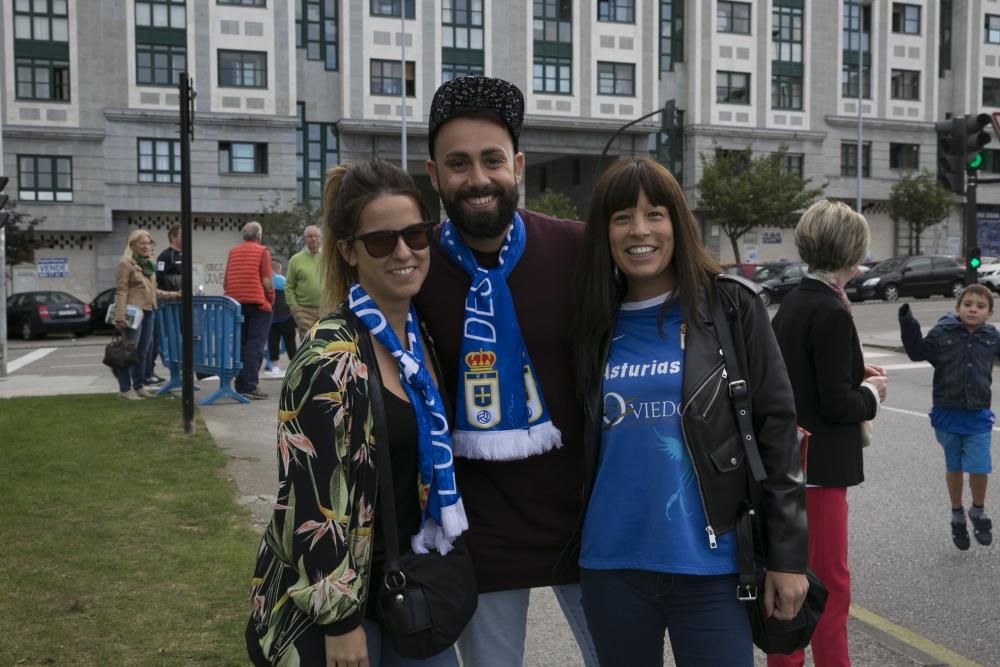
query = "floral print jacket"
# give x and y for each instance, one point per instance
(313, 561)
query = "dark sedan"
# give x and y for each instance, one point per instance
(34, 314)
(777, 280)
(99, 310)
(920, 276)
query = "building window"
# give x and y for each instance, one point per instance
(849, 82)
(792, 164)
(991, 92)
(462, 24)
(387, 78)
(849, 162)
(905, 84)
(244, 3)
(616, 11)
(160, 14)
(906, 18)
(671, 34)
(240, 158)
(732, 87)
(553, 21)
(992, 29)
(853, 13)
(733, 17)
(41, 178)
(42, 79)
(41, 20)
(991, 162)
(392, 8)
(316, 146)
(904, 156)
(786, 92)
(786, 34)
(451, 71)
(242, 69)
(552, 75)
(159, 65)
(317, 30)
(159, 161)
(616, 79)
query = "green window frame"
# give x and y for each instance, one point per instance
(317, 147)
(462, 25)
(848, 159)
(904, 156)
(905, 18)
(244, 3)
(849, 81)
(904, 84)
(160, 41)
(238, 157)
(793, 163)
(671, 34)
(170, 14)
(386, 77)
(159, 160)
(616, 79)
(787, 34)
(552, 75)
(242, 69)
(853, 13)
(786, 92)
(317, 24)
(451, 71)
(159, 64)
(41, 79)
(616, 11)
(992, 28)
(732, 87)
(553, 21)
(392, 8)
(41, 21)
(44, 178)
(733, 17)
(991, 92)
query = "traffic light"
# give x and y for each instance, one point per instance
(4, 215)
(951, 154)
(975, 139)
(669, 118)
(973, 261)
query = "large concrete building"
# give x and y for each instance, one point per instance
(288, 88)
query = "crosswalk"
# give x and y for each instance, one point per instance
(902, 365)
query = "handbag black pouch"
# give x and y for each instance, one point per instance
(770, 635)
(120, 353)
(424, 600)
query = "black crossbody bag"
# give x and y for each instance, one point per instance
(424, 600)
(770, 635)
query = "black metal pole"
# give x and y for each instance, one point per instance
(187, 325)
(607, 146)
(971, 228)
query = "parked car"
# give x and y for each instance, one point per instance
(779, 279)
(744, 269)
(99, 310)
(989, 275)
(919, 275)
(34, 314)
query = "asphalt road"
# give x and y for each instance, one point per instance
(919, 600)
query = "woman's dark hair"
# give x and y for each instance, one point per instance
(349, 188)
(600, 288)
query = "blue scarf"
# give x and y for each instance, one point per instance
(501, 414)
(442, 512)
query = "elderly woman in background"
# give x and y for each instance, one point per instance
(135, 285)
(835, 394)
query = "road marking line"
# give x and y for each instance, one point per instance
(907, 367)
(95, 353)
(77, 366)
(919, 414)
(946, 655)
(34, 355)
(876, 355)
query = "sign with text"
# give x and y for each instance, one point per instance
(53, 267)
(772, 236)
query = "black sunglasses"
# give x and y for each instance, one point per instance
(383, 242)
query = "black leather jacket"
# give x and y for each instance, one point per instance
(712, 437)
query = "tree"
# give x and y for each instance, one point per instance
(555, 204)
(20, 241)
(920, 201)
(283, 225)
(740, 191)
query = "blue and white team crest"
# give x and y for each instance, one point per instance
(482, 390)
(531, 392)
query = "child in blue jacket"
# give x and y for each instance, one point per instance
(961, 347)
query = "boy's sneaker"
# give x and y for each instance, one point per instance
(960, 535)
(982, 527)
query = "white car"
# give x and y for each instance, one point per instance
(989, 275)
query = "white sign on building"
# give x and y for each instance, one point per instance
(53, 267)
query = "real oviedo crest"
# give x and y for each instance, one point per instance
(482, 390)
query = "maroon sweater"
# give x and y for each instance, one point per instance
(521, 513)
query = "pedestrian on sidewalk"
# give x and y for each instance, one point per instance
(500, 282)
(961, 347)
(659, 550)
(320, 564)
(248, 280)
(303, 291)
(169, 274)
(836, 393)
(135, 285)
(282, 324)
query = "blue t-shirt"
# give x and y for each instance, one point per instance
(645, 512)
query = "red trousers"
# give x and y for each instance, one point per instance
(826, 509)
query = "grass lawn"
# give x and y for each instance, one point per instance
(120, 541)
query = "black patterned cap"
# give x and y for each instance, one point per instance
(471, 96)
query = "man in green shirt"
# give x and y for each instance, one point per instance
(302, 291)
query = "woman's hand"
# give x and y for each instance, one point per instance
(348, 650)
(872, 370)
(784, 593)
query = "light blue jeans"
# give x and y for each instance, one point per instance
(382, 654)
(495, 635)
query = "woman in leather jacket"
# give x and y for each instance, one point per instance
(319, 566)
(664, 458)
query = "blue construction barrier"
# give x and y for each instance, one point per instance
(216, 344)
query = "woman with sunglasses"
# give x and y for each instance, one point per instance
(319, 566)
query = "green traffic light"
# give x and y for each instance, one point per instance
(976, 162)
(975, 262)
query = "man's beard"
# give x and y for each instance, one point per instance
(482, 224)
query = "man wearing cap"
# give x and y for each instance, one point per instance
(496, 301)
